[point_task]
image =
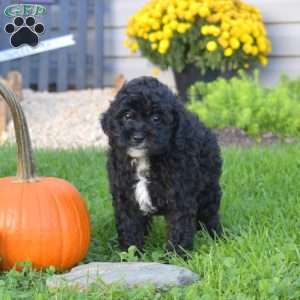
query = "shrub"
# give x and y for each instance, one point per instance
(219, 34)
(243, 103)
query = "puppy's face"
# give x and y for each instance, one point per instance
(140, 124)
(143, 119)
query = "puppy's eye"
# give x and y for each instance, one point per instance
(155, 118)
(128, 116)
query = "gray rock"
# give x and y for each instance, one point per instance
(126, 274)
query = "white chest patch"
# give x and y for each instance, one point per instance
(141, 191)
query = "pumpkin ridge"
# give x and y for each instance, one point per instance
(60, 225)
(4, 238)
(76, 217)
(37, 193)
(85, 223)
(3, 244)
(21, 210)
(8, 226)
(79, 226)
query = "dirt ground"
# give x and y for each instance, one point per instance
(235, 136)
(64, 120)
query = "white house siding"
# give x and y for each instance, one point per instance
(282, 18)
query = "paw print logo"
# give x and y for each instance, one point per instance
(24, 31)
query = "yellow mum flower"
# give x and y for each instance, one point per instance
(235, 32)
(262, 44)
(255, 32)
(238, 32)
(247, 48)
(231, 24)
(183, 27)
(172, 16)
(180, 12)
(254, 51)
(152, 37)
(195, 7)
(204, 11)
(225, 35)
(163, 46)
(182, 5)
(174, 25)
(159, 35)
(171, 10)
(210, 29)
(223, 42)
(246, 28)
(167, 32)
(263, 60)
(134, 47)
(215, 31)
(162, 50)
(234, 43)
(214, 18)
(156, 14)
(246, 38)
(140, 33)
(228, 52)
(154, 46)
(211, 46)
(204, 30)
(155, 25)
(166, 19)
(130, 31)
(225, 26)
(188, 16)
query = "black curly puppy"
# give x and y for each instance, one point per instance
(161, 161)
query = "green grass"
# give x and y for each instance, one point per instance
(259, 257)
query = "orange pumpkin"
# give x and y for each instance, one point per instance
(42, 219)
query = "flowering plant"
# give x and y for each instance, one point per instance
(212, 34)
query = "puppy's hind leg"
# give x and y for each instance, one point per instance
(147, 221)
(207, 214)
(181, 231)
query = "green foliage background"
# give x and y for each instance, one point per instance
(242, 102)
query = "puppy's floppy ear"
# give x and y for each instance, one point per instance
(105, 122)
(180, 126)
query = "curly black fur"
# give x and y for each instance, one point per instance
(184, 164)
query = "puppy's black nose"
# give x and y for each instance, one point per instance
(138, 138)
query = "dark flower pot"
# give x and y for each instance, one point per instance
(191, 74)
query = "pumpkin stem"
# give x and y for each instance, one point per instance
(25, 167)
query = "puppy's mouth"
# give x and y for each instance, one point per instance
(136, 151)
(141, 146)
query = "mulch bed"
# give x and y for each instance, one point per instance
(235, 136)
